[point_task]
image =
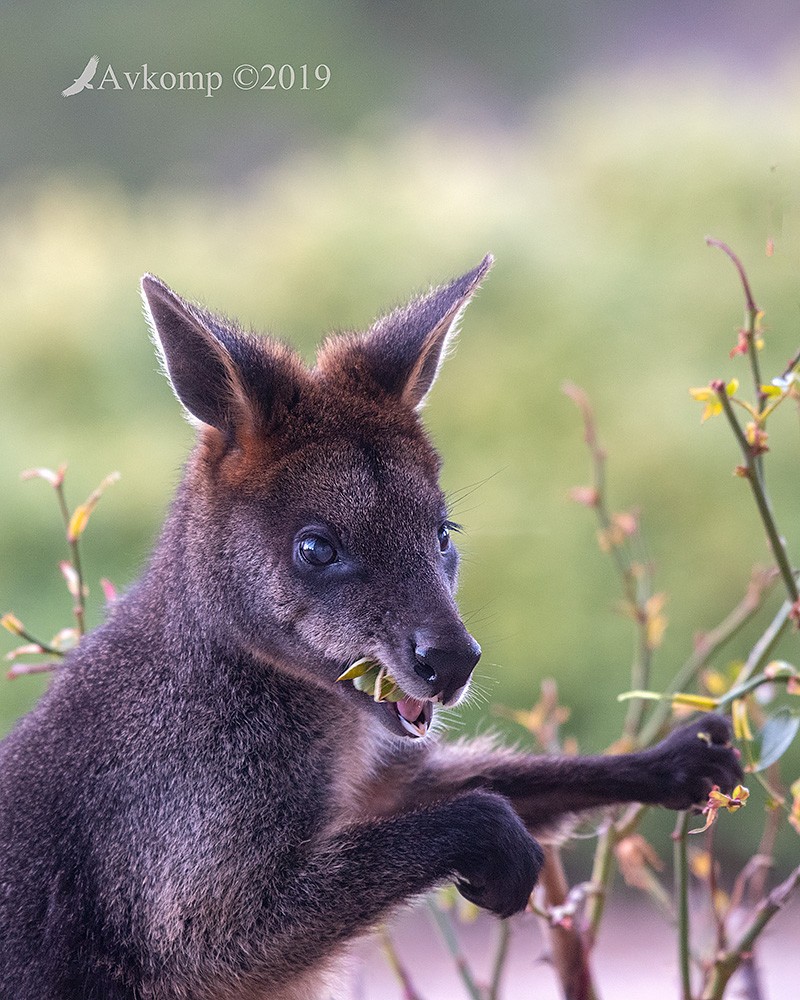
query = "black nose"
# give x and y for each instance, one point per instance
(446, 668)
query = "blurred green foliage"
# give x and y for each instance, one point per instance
(597, 221)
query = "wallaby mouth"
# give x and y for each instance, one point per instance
(415, 716)
(376, 682)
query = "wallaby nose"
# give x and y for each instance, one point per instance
(446, 668)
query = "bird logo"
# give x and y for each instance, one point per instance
(82, 82)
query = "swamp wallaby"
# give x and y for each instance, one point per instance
(196, 809)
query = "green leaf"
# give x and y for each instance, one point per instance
(357, 669)
(386, 689)
(776, 737)
(366, 681)
(373, 680)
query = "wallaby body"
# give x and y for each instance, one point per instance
(196, 809)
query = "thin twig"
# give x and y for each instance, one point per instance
(398, 968)
(750, 304)
(727, 963)
(442, 921)
(759, 494)
(499, 964)
(635, 577)
(762, 650)
(751, 316)
(754, 884)
(79, 608)
(705, 648)
(602, 872)
(682, 903)
(44, 647)
(766, 846)
(713, 889)
(745, 876)
(603, 866)
(23, 669)
(598, 456)
(739, 690)
(795, 361)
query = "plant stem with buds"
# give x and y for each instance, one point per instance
(79, 609)
(760, 496)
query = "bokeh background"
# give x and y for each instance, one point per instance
(589, 146)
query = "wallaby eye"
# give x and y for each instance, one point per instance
(316, 550)
(446, 528)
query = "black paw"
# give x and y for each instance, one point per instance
(499, 868)
(691, 760)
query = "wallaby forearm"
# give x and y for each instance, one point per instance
(544, 789)
(346, 885)
(357, 876)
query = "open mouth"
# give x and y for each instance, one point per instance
(415, 716)
(374, 680)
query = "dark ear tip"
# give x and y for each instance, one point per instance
(474, 277)
(153, 287)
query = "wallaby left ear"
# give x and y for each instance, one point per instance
(404, 350)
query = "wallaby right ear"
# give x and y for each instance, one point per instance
(238, 383)
(199, 357)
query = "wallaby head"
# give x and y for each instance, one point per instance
(313, 527)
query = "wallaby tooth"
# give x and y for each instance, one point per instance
(411, 727)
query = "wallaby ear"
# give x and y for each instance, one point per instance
(405, 349)
(199, 367)
(238, 383)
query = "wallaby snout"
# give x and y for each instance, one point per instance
(446, 666)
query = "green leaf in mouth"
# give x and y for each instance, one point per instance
(357, 669)
(373, 679)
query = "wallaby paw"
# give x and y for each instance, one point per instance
(499, 870)
(694, 758)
